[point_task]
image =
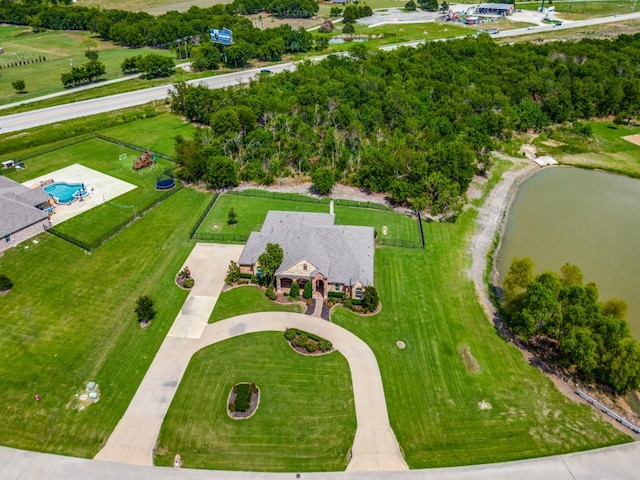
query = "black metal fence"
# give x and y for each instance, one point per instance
(133, 147)
(220, 237)
(203, 215)
(118, 228)
(303, 198)
(399, 242)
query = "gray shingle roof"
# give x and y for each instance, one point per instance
(18, 206)
(344, 254)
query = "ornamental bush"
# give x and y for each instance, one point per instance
(188, 283)
(308, 291)
(243, 397)
(294, 293)
(270, 293)
(5, 283)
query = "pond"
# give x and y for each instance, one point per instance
(339, 40)
(587, 218)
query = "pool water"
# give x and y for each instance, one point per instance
(64, 193)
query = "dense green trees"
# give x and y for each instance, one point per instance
(269, 261)
(414, 123)
(565, 317)
(85, 73)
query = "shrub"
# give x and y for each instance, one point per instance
(5, 283)
(308, 290)
(270, 293)
(290, 334)
(325, 345)
(339, 295)
(295, 291)
(348, 303)
(356, 301)
(248, 276)
(243, 397)
(233, 273)
(370, 299)
(188, 282)
(311, 346)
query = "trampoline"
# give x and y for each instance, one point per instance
(165, 184)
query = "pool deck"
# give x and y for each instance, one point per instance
(101, 187)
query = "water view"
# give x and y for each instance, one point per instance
(590, 219)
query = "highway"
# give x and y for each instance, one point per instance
(45, 116)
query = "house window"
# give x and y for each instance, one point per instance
(336, 286)
(304, 267)
(359, 293)
(7, 238)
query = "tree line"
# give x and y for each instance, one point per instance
(561, 316)
(415, 123)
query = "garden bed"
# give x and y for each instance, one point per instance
(307, 343)
(243, 400)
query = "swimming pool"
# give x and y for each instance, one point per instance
(65, 193)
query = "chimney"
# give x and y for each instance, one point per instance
(331, 208)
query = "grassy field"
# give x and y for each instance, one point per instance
(239, 301)
(252, 211)
(157, 133)
(70, 319)
(59, 48)
(454, 359)
(102, 156)
(580, 10)
(606, 150)
(305, 420)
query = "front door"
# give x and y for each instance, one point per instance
(320, 287)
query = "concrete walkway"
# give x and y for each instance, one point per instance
(375, 447)
(135, 436)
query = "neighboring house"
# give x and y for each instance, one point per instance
(335, 258)
(22, 212)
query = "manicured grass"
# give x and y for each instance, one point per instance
(249, 299)
(70, 319)
(59, 47)
(606, 149)
(305, 420)
(102, 156)
(252, 211)
(432, 397)
(156, 133)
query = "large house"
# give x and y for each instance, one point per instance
(22, 212)
(335, 258)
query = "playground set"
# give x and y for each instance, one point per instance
(147, 159)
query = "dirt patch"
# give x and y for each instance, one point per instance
(468, 359)
(263, 20)
(635, 139)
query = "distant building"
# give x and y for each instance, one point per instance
(473, 20)
(495, 9)
(336, 258)
(22, 212)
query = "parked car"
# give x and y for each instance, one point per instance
(530, 27)
(493, 31)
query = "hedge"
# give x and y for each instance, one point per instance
(339, 295)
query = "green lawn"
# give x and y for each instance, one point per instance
(252, 211)
(70, 319)
(606, 149)
(579, 10)
(157, 133)
(102, 156)
(432, 396)
(249, 299)
(59, 48)
(305, 420)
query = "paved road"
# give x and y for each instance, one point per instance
(374, 448)
(45, 116)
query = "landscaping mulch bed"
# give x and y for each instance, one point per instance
(253, 405)
(310, 308)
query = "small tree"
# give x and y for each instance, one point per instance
(233, 273)
(294, 293)
(308, 290)
(270, 260)
(348, 28)
(19, 86)
(323, 181)
(232, 217)
(270, 293)
(144, 309)
(410, 6)
(335, 11)
(91, 55)
(370, 299)
(5, 283)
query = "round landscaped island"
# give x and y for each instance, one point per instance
(243, 400)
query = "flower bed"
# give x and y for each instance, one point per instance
(307, 343)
